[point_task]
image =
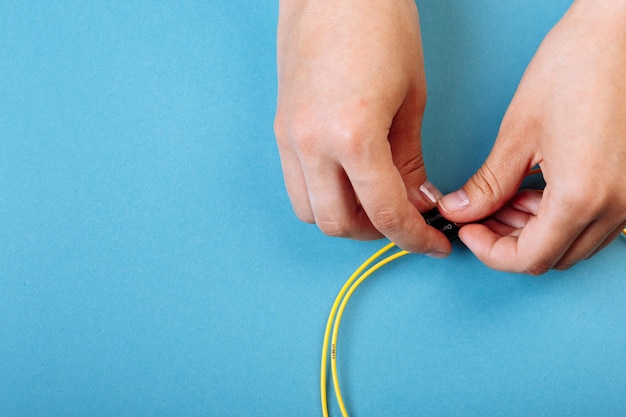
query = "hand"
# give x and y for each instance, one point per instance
(351, 97)
(568, 116)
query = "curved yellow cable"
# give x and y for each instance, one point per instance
(342, 307)
(336, 313)
(331, 318)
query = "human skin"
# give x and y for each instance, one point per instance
(348, 129)
(569, 116)
(351, 97)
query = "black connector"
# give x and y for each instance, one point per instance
(447, 227)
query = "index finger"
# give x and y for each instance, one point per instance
(383, 195)
(542, 242)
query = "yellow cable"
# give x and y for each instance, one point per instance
(344, 301)
(336, 313)
(331, 317)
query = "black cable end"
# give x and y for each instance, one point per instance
(447, 227)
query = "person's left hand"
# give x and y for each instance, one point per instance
(351, 96)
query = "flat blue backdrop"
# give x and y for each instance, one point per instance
(150, 263)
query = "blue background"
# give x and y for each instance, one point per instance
(150, 263)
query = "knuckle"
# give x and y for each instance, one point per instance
(413, 166)
(304, 214)
(295, 131)
(581, 209)
(308, 139)
(536, 268)
(347, 140)
(334, 228)
(486, 182)
(571, 197)
(349, 132)
(280, 130)
(575, 201)
(386, 221)
(563, 266)
(279, 123)
(310, 135)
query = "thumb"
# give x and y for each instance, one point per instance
(405, 140)
(492, 186)
(408, 160)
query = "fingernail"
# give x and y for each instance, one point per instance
(437, 255)
(431, 192)
(455, 201)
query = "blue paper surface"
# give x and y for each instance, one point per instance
(151, 265)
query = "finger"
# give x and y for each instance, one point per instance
(295, 184)
(500, 228)
(589, 238)
(510, 219)
(495, 182)
(527, 201)
(608, 240)
(384, 197)
(406, 149)
(597, 235)
(333, 202)
(541, 244)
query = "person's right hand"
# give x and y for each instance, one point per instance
(568, 116)
(352, 92)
